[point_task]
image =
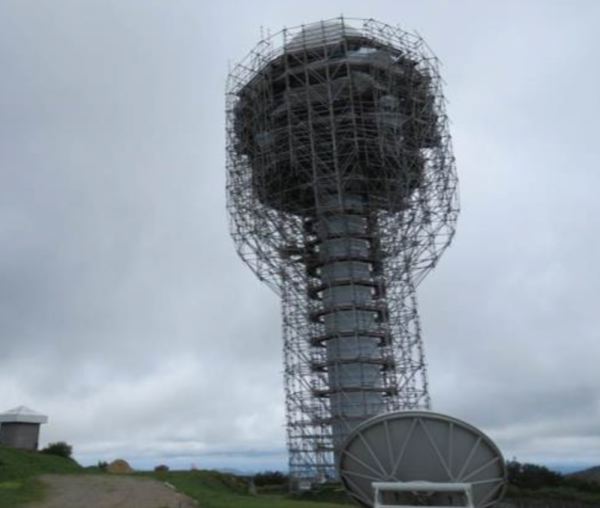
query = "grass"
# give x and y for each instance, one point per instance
(217, 490)
(18, 472)
(558, 494)
(17, 493)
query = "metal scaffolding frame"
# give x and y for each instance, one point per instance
(342, 195)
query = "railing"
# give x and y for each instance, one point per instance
(457, 492)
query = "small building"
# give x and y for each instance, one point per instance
(20, 428)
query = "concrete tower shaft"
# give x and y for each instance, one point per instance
(342, 195)
(350, 312)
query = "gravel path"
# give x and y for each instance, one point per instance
(108, 491)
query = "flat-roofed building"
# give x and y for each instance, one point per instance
(20, 428)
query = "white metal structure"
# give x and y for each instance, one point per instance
(420, 451)
(456, 490)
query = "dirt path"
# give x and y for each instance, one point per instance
(107, 491)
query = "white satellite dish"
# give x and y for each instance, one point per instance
(414, 458)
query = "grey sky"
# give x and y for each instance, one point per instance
(124, 311)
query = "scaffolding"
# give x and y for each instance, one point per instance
(342, 195)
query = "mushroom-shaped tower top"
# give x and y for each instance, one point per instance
(339, 111)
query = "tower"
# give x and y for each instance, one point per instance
(342, 195)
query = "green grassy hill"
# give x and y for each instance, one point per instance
(18, 470)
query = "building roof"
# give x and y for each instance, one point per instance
(22, 414)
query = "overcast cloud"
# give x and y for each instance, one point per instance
(125, 314)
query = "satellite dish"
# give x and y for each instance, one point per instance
(421, 447)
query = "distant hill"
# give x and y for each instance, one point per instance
(591, 474)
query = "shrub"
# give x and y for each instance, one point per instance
(531, 479)
(60, 448)
(270, 478)
(162, 468)
(532, 476)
